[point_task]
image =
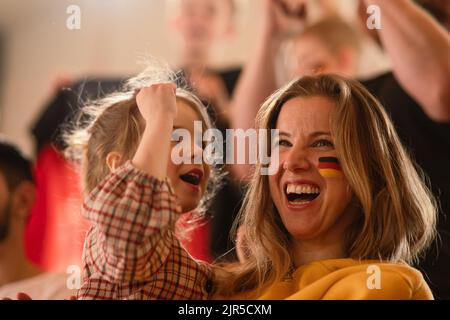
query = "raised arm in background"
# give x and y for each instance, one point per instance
(258, 79)
(420, 52)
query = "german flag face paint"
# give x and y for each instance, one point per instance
(329, 167)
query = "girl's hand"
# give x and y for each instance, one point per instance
(20, 296)
(23, 296)
(156, 101)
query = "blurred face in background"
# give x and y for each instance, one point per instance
(308, 55)
(200, 22)
(15, 207)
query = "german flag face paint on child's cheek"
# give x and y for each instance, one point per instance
(329, 167)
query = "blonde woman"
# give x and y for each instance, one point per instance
(342, 217)
(346, 200)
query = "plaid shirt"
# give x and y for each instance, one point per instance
(131, 251)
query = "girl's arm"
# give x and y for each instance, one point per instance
(132, 216)
(131, 251)
(157, 105)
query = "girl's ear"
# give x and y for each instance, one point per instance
(113, 160)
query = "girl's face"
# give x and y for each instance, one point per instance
(311, 198)
(188, 180)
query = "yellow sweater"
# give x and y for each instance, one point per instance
(344, 279)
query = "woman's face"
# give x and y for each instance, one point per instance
(189, 180)
(311, 202)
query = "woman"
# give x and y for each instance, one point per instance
(326, 217)
(342, 216)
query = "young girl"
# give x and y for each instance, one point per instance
(125, 144)
(345, 204)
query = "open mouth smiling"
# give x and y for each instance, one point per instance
(193, 177)
(301, 193)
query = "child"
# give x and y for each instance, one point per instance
(345, 199)
(126, 142)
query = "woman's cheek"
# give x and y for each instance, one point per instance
(329, 167)
(340, 191)
(274, 189)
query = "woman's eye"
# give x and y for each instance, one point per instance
(322, 143)
(283, 143)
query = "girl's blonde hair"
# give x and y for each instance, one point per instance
(114, 124)
(397, 213)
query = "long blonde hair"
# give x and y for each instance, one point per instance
(397, 213)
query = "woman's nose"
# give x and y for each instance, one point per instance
(296, 160)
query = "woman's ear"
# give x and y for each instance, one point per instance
(113, 160)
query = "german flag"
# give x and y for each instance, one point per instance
(329, 167)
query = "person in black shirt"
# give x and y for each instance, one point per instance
(429, 144)
(65, 104)
(416, 95)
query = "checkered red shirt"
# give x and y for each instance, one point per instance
(131, 251)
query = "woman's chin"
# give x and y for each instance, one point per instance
(304, 229)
